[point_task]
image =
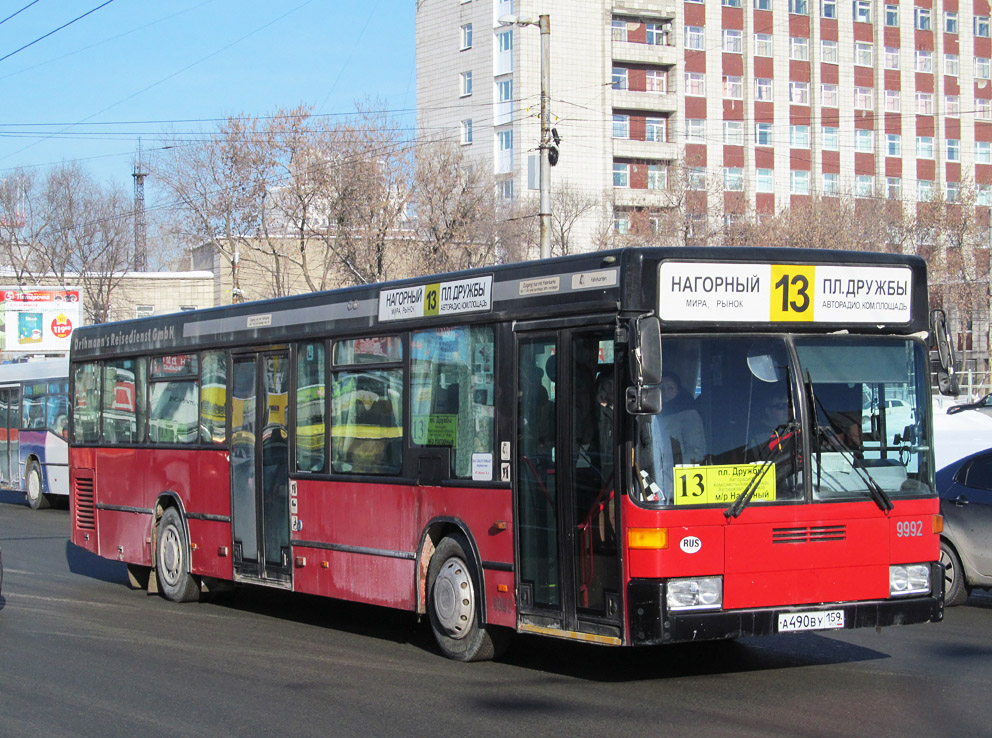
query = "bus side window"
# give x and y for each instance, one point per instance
(311, 400)
(86, 403)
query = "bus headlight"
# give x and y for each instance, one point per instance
(909, 579)
(698, 593)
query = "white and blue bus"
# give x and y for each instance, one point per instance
(34, 417)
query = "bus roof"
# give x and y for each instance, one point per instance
(34, 370)
(625, 280)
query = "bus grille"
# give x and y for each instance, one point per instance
(85, 503)
(810, 534)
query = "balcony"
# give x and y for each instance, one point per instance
(644, 150)
(638, 53)
(660, 102)
(650, 199)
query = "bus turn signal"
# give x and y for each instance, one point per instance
(650, 538)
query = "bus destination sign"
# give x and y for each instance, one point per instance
(784, 293)
(470, 295)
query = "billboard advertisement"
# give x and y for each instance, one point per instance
(39, 319)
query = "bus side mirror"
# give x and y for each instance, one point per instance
(947, 380)
(644, 398)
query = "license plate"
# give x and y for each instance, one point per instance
(791, 622)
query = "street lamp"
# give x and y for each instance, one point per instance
(543, 22)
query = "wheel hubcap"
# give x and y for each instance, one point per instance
(949, 574)
(454, 598)
(170, 557)
(34, 486)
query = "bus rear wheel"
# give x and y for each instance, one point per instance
(175, 581)
(34, 488)
(453, 604)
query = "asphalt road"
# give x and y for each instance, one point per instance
(81, 654)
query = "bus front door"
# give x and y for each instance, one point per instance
(260, 468)
(10, 424)
(566, 510)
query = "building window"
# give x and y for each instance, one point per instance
(950, 22)
(504, 140)
(762, 4)
(465, 84)
(731, 3)
(984, 195)
(862, 11)
(657, 34)
(828, 52)
(829, 97)
(798, 182)
(924, 147)
(733, 41)
(863, 98)
(799, 48)
(656, 80)
(891, 57)
(506, 189)
(466, 131)
(799, 93)
(695, 84)
(697, 178)
(694, 38)
(828, 8)
(695, 130)
(893, 144)
(765, 181)
(504, 41)
(893, 101)
(953, 149)
(952, 190)
(762, 44)
(656, 129)
(799, 137)
(620, 77)
(621, 223)
(893, 188)
(924, 103)
(733, 132)
(864, 141)
(763, 134)
(144, 311)
(892, 16)
(924, 61)
(467, 36)
(983, 152)
(863, 55)
(733, 88)
(621, 175)
(733, 179)
(952, 65)
(831, 183)
(924, 190)
(799, 7)
(657, 177)
(982, 26)
(983, 107)
(864, 185)
(619, 30)
(921, 17)
(763, 89)
(952, 106)
(982, 67)
(831, 138)
(621, 126)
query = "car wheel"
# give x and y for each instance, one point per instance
(34, 488)
(175, 581)
(956, 589)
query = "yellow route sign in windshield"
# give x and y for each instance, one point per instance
(710, 485)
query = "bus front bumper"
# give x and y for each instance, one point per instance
(652, 624)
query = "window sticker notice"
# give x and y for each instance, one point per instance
(469, 295)
(710, 485)
(784, 293)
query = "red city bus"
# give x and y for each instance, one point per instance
(632, 447)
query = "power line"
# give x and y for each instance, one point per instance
(64, 25)
(18, 12)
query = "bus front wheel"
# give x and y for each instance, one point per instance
(34, 488)
(453, 604)
(175, 581)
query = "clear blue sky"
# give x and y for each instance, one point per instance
(139, 67)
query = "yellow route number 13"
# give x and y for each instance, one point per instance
(792, 292)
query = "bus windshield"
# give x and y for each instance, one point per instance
(731, 416)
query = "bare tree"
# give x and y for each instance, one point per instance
(569, 205)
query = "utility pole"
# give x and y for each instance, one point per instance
(140, 246)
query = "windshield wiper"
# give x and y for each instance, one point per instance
(875, 491)
(747, 494)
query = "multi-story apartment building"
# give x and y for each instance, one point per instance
(754, 104)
